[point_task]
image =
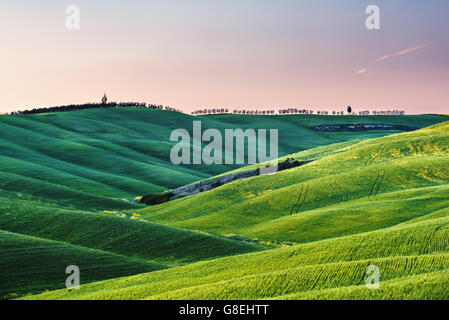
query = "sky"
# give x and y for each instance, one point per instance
(248, 54)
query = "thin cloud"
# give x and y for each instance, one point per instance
(402, 52)
(362, 71)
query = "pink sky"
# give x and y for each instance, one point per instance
(250, 54)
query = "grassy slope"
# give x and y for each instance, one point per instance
(419, 248)
(55, 167)
(104, 158)
(108, 232)
(428, 286)
(410, 247)
(378, 181)
(32, 265)
(104, 246)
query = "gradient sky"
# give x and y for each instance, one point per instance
(227, 53)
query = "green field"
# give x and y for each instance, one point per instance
(69, 183)
(380, 181)
(403, 253)
(102, 159)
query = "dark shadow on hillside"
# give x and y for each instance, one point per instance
(361, 127)
(206, 185)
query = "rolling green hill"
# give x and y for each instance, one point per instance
(378, 181)
(32, 265)
(68, 184)
(408, 254)
(109, 232)
(105, 158)
(38, 241)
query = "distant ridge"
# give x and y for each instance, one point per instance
(103, 105)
